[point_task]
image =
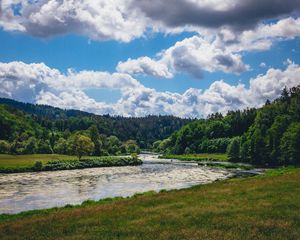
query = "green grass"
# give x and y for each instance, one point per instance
(227, 165)
(198, 157)
(262, 207)
(19, 161)
(26, 163)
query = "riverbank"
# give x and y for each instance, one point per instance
(48, 162)
(261, 207)
(198, 157)
(216, 160)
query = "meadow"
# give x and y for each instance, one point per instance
(48, 162)
(261, 207)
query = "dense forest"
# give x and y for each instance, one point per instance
(266, 136)
(27, 128)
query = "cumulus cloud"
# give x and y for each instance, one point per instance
(259, 38)
(216, 13)
(96, 19)
(144, 65)
(191, 55)
(23, 81)
(124, 20)
(49, 86)
(217, 51)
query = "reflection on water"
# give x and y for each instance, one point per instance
(28, 191)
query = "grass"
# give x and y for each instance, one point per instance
(198, 157)
(18, 161)
(50, 162)
(262, 207)
(227, 165)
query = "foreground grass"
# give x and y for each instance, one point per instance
(198, 157)
(264, 207)
(51, 162)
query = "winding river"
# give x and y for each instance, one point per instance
(29, 191)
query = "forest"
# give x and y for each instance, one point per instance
(266, 136)
(27, 129)
(269, 135)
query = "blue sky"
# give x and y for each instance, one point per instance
(158, 61)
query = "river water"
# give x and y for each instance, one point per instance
(28, 191)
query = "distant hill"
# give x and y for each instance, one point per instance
(145, 130)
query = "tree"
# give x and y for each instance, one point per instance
(155, 145)
(44, 147)
(114, 145)
(4, 146)
(95, 137)
(275, 133)
(82, 145)
(30, 145)
(234, 150)
(290, 145)
(61, 146)
(132, 147)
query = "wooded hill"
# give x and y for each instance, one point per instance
(266, 136)
(29, 128)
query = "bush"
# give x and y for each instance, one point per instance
(38, 166)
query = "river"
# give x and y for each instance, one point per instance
(28, 191)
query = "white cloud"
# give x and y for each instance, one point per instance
(191, 55)
(263, 65)
(144, 65)
(24, 81)
(260, 38)
(96, 19)
(125, 20)
(41, 84)
(213, 51)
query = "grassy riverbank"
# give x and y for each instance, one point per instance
(198, 157)
(218, 160)
(52, 162)
(262, 207)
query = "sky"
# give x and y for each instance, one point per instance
(187, 58)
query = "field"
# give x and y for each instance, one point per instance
(263, 207)
(199, 157)
(19, 161)
(49, 162)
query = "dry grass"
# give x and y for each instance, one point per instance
(255, 208)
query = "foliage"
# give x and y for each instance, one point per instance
(233, 150)
(45, 122)
(266, 136)
(82, 145)
(4, 146)
(38, 166)
(290, 145)
(208, 136)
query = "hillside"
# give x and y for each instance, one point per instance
(266, 136)
(23, 124)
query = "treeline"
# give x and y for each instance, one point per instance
(266, 136)
(212, 135)
(20, 134)
(144, 130)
